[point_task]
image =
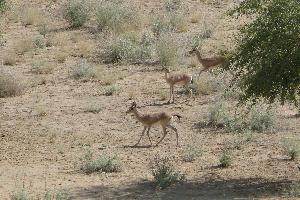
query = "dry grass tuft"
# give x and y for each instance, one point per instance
(41, 67)
(10, 58)
(32, 16)
(60, 56)
(24, 45)
(10, 86)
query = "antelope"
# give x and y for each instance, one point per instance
(207, 63)
(177, 79)
(148, 120)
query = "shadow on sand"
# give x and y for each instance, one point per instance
(248, 188)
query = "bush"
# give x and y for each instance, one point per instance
(293, 189)
(3, 6)
(110, 90)
(292, 147)
(32, 16)
(10, 58)
(83, 70)
(191, 153)
(61, 194)
(24, 45)
(76, 13)
(41, 67)
(164, 174)
(225, 159)
(103, 163)
(129, 49)
(116, 17)
(9, 86)
(257, 118)
(167, 51)
(39, 41)
(172, 5)
(20, 194)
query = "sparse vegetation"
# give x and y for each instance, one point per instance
(24, 45)
(60, 56)
(93, 108)
(258, 118)
(191, 153)
(167, 51)
(58, 194)
(3, 6)
(292, 147)
(112, 89)
(129, 49)
(164, 174)
(76, 13)
(225, 159)
(39, 41)
(103, 163)
(116, 17)
(293, 189)
(41, 67)
(10, 86)
(32, 16)
(10, 58)
(83, 70)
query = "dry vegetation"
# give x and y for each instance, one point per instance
(70, 69)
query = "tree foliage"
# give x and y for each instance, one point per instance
(267, 58)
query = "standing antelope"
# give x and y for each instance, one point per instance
(177, 79)
(149, 120)
(207, 63)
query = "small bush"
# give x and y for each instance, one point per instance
(207, 84)
(172, 5)
(110, 90)
(60, 56)
(10, 58)
(178, 22)
(164, 174)
(61, 194)
(20, 194)
(292, 147)
(191, 153)
(41, 67)
(129, 49)
(257, 118)
(103, 163)
(76, 13)
(32, 16)
(9, 86)
(93, 108)
(116, 17)
(24, 45)
(3, 6)
(83, 70)
(167, 51)
(293, 189)
(225, 159)
(39, 42)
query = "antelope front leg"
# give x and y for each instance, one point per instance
(174, 129)
(170, 94)
(141, 136)
(165, 133)
(173, 94)
(148, 135)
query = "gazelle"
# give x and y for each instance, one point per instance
(149, 120)
(177, 79)
(207, 63)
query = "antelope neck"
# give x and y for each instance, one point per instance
(137, 114)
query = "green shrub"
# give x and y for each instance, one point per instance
(61, 194)
(225, 159)
(292, 147)
(293, 189)
(103, 163)
(83, 70)
(3, 6)
(129, 49)
(259, 117)
(172, 5)
(20, 194)
(164, 174)
(39, 41)
(167, 51)
(112, 89)
(9, 86)
(191, 153)
(116, 17)
(41, 67)
(76, 13)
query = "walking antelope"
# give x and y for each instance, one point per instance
(148, 120)
(177, 79)
(207, 63)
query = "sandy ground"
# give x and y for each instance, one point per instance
(43, 152)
